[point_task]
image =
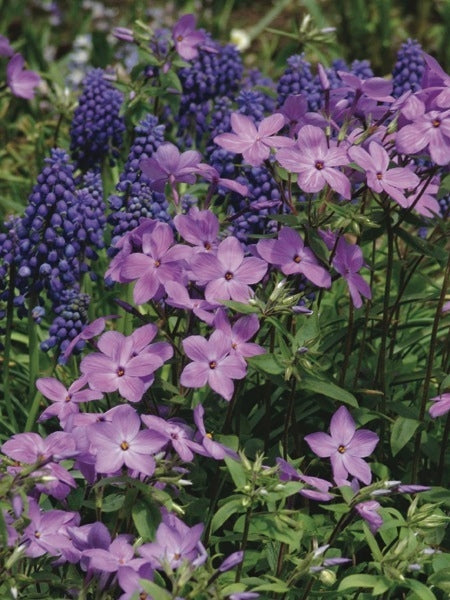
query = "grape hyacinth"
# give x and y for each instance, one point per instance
(97, 128)
(408, 69)
(298, 79)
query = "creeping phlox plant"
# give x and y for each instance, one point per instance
(247, 414)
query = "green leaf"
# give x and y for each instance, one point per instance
(401, 432)
(422, 591)
(267, 363)
(146, 517)
(231, 507)
(329, 389)
(237, 472)
(156, 592)
(240, 307)
(378, 583)
(279, 588)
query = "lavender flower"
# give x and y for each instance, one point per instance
(209, 446)
(441, 405)
(175, 434)
(345, 447)
(369, 512)
(187, 38)
(320, 487)
(21, 82)
(347, 261)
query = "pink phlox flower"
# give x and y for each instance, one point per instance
(47, 533)
(174, 544)
(227, 275)
(239, 333)
(435, 83)
(177, 435)
(130, 578)
(88, 332)
(65, 400)
(5, 47)
(160, 261)
(21, 82)
(296, 115)
(320, 487)
(441, 405)
(167, 165)
(178, 296)
(200, 228)
(348, 260)
(210, 447)
(427, 204)
(254, 143)
(380, 178)
(212, 364)
(289, 254)
(186, 38)
(119, 554)
(122, 442)
(124, 362)
(369, 512)
(211, 174)
(315, 160)
(345, 447)
(375, 88)
(428, 130)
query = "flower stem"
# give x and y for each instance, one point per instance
(7, 353)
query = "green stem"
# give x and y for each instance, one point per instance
(34, 351)
(441, 464)
(429, 370)
(348, 344)
(7, 353)
(248, 516)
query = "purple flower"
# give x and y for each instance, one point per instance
(210, 447)
(187, 38)
(239, 333)
(5, 47)
(379, 176)
(429, 129)
(320, 486)
(65, 400)
(88, 332)
(211, 174)
(158, 263)
(347, 261)
(178, 296)
(369, 512)
(441, 405)
(253, 143)
(21, 81)
(289, 254)
(212, 364)
(227, 275)
(175, 543)
(121, 442)
(375, 88)
(167, 165)
(231, 561)
(175, 434)
(315, 161)
(123, 33)
(199, 228)
(345, 447)
(125, 363)
(119, 554)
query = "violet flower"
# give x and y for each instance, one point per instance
(253, 143)
(174, 434)
(441, 405)
(178, 296)
(315, 161)
(174, 544)
(5, 47)
(320, 487)
(119, 554)
(199, 228)
(347, 261)
(239, 333)
(88, 332)
(369, 512)
(209, 446)
(167, 165)
(121, 442)
(125, 363)
(65, 400)
(212, 364)
(289, 254)
(380, 178)
(345, 447)
(187, 38)
(21, 82)
(228, 274)
(158, 263)
(375, 88)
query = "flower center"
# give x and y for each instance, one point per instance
(207, 246)
(120, 372)
(341, 449)
(124, 445)
(379, 176)
(228, 275)
(143, 596)
(37, 534)
(436, 122)
(179, 38)
(319, 165)
(177, 556)
(157, 264)
(209, 435)
(297, 258)
(68, 398)
(212, 364)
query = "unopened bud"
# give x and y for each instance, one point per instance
(327, 577)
